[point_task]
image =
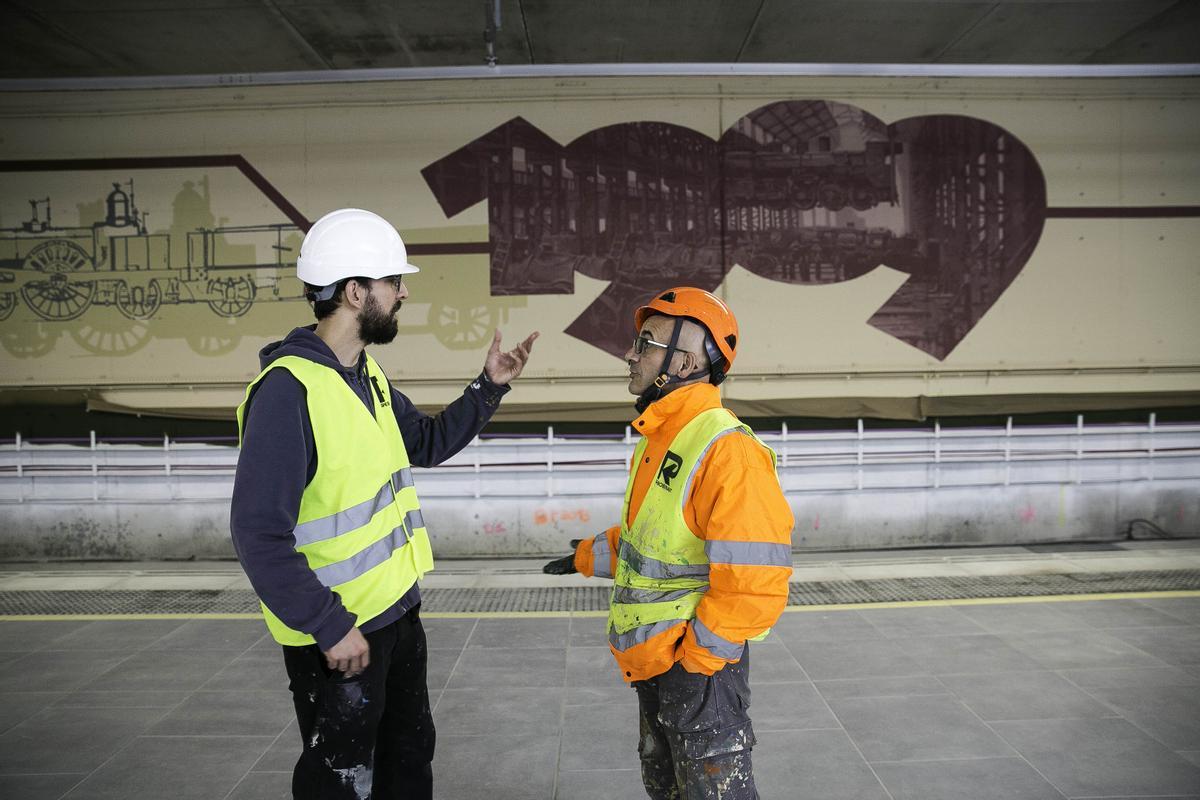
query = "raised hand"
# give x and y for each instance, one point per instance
(502, 368)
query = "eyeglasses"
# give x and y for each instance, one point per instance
(397, 281)
(643, 341)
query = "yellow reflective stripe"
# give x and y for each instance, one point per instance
(766, 554)
(718, 646)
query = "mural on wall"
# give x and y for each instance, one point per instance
(802, 192)
(106, 279)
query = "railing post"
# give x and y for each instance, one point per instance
(478, 469)
(1078, 449)
(860, 454)
(1008, 452)
(1150, 448)
(937, 454)
(549, 461)
(95, 468)
(783, 432)
(167, 453)
(20, 466)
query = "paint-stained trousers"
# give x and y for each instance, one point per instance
(370, 736)
(696, 736)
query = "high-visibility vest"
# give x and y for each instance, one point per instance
(662, 568)
(359, 524)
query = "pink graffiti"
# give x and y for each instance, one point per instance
(545, 517)
(494, 528)
(1027, 514)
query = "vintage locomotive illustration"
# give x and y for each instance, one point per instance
(103, 283)
(802, 191)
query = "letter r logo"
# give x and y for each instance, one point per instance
(669, 469)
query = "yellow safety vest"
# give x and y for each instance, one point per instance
(359, 524)
(662, 568)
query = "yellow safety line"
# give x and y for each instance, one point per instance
(965, 601)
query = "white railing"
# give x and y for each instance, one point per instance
(555, 465)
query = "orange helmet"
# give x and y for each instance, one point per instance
(703, 307)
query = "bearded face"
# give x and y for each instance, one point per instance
(375, 325)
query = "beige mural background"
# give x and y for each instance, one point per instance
(1104, 313)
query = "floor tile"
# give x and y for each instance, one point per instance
(881, 687)
(176, 767)
(164, 670)
(478, 712)
(1179, 645)
(71, 739)
(481, 667)
(440, 665)
(118, 634)
(1115, 677)
(1024, 695)
(588, 632)
(600, 737)
(1021, 617)
(1116, 613)
(38, 787)
(522, 633)
(516, 767)
(916, 728)
(213, 634)
(771, 662)
(264, 786)
(600, 784)
(1186, 609)
(125, 698)
(451, 633)
(945, 655)
(1170, 714)
(1079, 649)
(857, 659)
(16, 707)
(592, 666)
(253, 669)
(973, 779)
(813, 765)
(1100, 757)
(228, 713)
(61, 671)
(901, 623)
(281, 756)
(789, 707)
(800, 628)
(19, 635)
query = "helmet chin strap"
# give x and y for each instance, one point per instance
(657, 389)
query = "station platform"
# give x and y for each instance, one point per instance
(1004, 673)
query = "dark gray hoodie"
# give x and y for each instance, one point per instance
(278, 460)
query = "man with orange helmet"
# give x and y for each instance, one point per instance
(701, 558)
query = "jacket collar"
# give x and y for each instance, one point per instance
(678, 408)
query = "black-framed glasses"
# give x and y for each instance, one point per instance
(641, 342)
(397, 281)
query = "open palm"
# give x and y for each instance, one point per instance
(502, 367)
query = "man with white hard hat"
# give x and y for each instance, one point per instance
(326, 520)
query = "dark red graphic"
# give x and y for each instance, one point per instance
(804, 191)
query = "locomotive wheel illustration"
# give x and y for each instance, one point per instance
(8, 302)
(213, 344)
(862, 197)
(232, 296)
(804, 196)
(108, 334)
(833, 197)
(28, 341)
(138, 302)
(462, 328)
(58, 297)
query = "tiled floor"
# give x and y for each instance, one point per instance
(999, 701)
(1013, 701)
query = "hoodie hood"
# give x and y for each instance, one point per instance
(305, 343)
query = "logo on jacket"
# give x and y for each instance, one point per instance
(669, 470)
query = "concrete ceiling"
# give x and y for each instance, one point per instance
(97, 38)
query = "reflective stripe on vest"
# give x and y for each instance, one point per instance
(662, 566)
(601, 557)
(359, 525)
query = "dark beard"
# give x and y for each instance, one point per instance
(375, 326)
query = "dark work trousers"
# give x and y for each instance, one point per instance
(696, 735)
(369, 736)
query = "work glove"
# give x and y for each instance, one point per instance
(564, 565)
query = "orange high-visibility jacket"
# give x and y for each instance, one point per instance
(734, 497)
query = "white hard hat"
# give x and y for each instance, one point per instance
(351, 242)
